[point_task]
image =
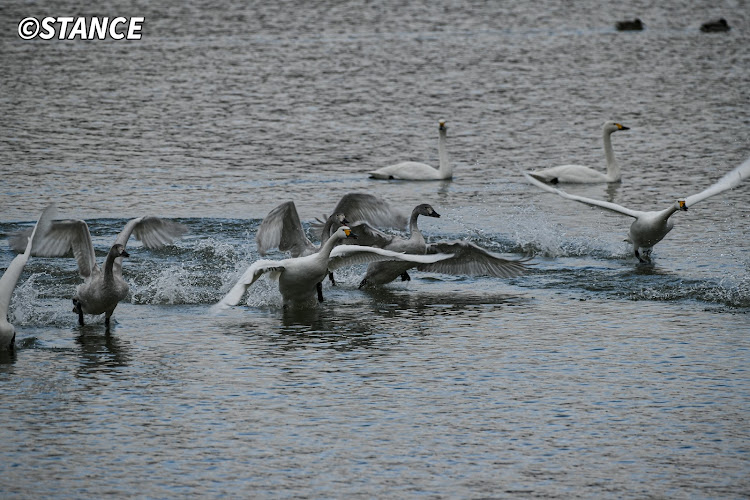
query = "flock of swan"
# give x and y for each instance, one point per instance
(354, 234)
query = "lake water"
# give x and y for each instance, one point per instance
(591, 376)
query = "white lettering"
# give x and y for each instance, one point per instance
(79, 28)
(114, 34)
(99, 26)
(48, 31)
(134, 28)
(63, 26)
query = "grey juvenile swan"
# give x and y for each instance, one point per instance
(467, 258)
(102, 289)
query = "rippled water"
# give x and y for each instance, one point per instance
(591, 376)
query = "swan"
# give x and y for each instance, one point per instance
(298, 277)
(467, 258)
(282, 228)
(102, 289)
(585, 175)
(416, 171)
(13, 273)
(649, 228)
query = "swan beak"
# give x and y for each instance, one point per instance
(442, 125)
(683, 205)
(349, 234)
(435, 214)
(124, 254)
(622, 127)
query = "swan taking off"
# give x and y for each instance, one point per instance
(416, 171)
(101, 290)
(13, 273)
(585, 175)
(649, 228)
(466, 257)
(299, 277)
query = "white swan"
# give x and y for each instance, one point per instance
(467, 258)
(649, 228)
(298, 277)
(585, 175)
(13, 273)
(101, 290)
(416, 171)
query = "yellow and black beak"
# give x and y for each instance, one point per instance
(622, 127)
(683, 205)
(349, 234)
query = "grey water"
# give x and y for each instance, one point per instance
(591, 376)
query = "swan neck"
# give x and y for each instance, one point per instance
(109, 265)
(327, 247)
(413, 228)
(613, 169)
(445, 167)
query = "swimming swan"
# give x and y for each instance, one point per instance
(649, 228)
(102, 290)
(13, 273)
(585, 175)
(416, 171)
(467, 258)
(298, 277)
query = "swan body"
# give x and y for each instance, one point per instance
(102, 289)
(718, 26)
(580, 174)
(649, 228)
(11, 275)
(466, 257)
(416, 171)
(298, 277)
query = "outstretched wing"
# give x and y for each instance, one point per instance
(282, 229)
(614, 207)
(15, 268)
(473, 260)
(255, 271)
(153, 232)
(728, 181)
(62, 237)
(363, 207)
(349, 255)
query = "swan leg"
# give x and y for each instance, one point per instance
(330, 277)
(405, 276)
(77, 309)
(319, 288)
(106, 321)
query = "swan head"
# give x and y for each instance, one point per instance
(442, 126)
(610, 127)
(681, 205)
(118, 250)
(426, 210)
(344, 232)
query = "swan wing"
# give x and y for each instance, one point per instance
(251, 275)
(349, 255)
(728, 181)
(153, 232)
(614, 207)
(372, 209)
(62, 237)
(282, 229)
(15, 268)
(472, 259)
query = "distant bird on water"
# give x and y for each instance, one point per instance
(634, 25)
(717, 26)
